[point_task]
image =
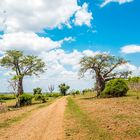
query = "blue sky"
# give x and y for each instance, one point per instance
(62, 36)
(115, 25)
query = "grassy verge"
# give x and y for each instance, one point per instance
(89, 127)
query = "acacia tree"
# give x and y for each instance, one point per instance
(102, 66)
(63, 88)
(22, 65)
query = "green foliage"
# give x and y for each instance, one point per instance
(25, 99)
(104, 62)
(22, 65)
(37, 90)
(75, 92)
(133, 80)
(55, 95)
(63, 88)
(87, 90)
(115, 88)
(29, 64)
(134, 84)
(40, 97)
(7, 96)
(102, 66)
(2, 101)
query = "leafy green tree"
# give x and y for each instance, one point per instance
(37, 91)
(102, 66)
(63, 88)
(22, 65)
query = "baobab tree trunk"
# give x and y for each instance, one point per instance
(20, 91)
(20, 86)
(100, 84)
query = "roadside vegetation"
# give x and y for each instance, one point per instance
(90, 118)
(109, 110)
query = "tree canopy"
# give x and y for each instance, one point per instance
(102, 66)
(63, 88)
(22, 65)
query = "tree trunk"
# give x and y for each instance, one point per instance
(20, 86)
(100, 84)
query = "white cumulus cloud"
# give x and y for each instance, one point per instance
(130, 67)
(35, 15)
(130, 49)
(83, 16)
(118, 1)
(29, 41)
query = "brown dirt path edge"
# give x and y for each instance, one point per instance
(45, 124)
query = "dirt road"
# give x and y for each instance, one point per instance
(44, 124)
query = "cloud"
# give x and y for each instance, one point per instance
(129, 67)
(35, 15)
(30, 41)
(83, 16)
(128, 49)
(118, 1)
(62, 67)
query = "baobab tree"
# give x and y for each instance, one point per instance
(102, 66)
(22, 65)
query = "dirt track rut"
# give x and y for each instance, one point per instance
(44, 124)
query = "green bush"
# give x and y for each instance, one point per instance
(75, 92)
(40, 97)
(87, 90)
(25, 99)
(55, 95)
(7, 96)
(37, 91)
(115, 88)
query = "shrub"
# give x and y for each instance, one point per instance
(7, 96)
(87, 91)
(55, 95)
(37, 91)
(40, 97)
(75, 92)
(115, 88)
(25, 99)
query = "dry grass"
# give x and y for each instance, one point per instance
(80, 126)
(119, 116)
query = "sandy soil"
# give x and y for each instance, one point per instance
(16, 113)
(119, 116)
(44, 124)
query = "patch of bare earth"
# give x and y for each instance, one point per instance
(119, 116)
(15, 113)
(44, 124)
